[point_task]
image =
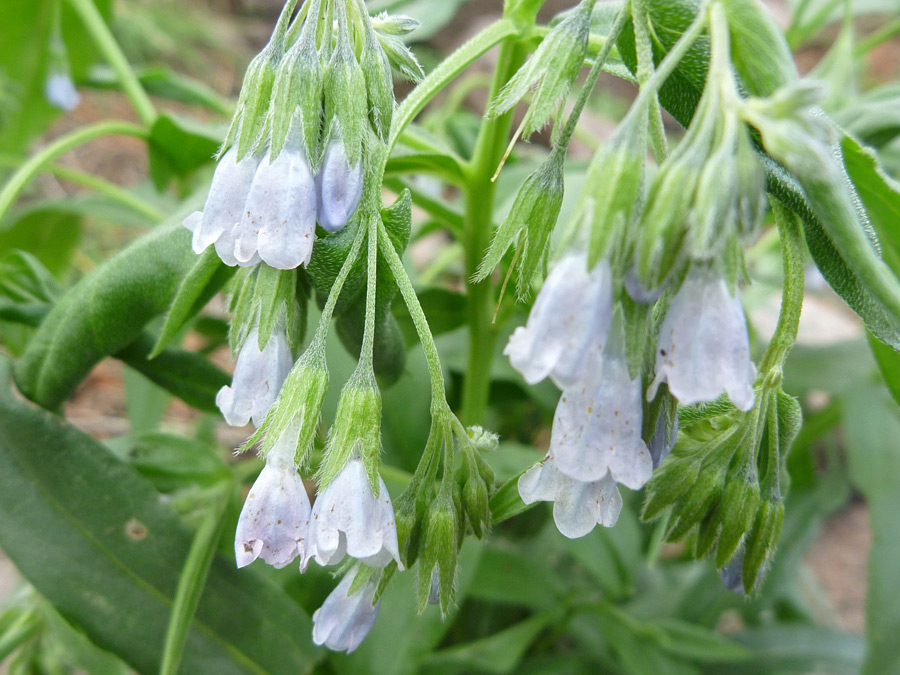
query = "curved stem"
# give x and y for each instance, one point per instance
(367, 352)
(59, 147)
(336, 288)
(792, 248)
(452, 66)
(110, 190)
(645, 71)
(106, 43)
(418, 317)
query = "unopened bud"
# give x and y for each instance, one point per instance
(439, 552)
(702, 495)
(762, 540)
(670, 483)
(736, 512)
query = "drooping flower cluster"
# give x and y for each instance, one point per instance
(296, 152)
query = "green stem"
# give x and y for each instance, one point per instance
(110, 190)
(792, 250)
(449, 68)
(192, 581)
(881, 35)
(21, 630)
(479, 208)
(418, 317)
(644, 47)
(335, 293)
(59, 147)
(106, 43)
(367, 352)
(591, 80)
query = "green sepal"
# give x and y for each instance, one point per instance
(532, 218)
(736, 512)
(700, 499)
(762, 540)
(345, 106)
(376, 70)
(672, 481)
(266, 298)
(298, 406)
(356, 430)
(203, 280)
(298, 87)
(400, 56)
(440, 550)
(553, 68)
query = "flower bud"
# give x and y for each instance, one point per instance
(439, 551)
(59, 89)
(762, 540)
(702, 495)
(298, 91)
(388, 30)
(475, 503)
(346, 110)
(356, 429)
(376, 69)
(736, 512)
(339, 186)
(670, 483)
(531, 219)
(551, 70)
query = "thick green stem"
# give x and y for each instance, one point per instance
(106, 43)
(59, 147)
(792, 249)
(477, 223)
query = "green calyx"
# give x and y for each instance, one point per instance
(356, 430)
(266, 298)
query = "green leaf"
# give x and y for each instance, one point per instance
(497, 653)
(67, 504)
(516, 577)
(888, 361)
(49, 234)
(164, 83)
(188, 375)
(444, 309)
(880, 195)
(179, 146)
(697, 643)
(170, 461)
(873, 117)
(203, 280)
(104, 312)
(871, 427)
(145, 402)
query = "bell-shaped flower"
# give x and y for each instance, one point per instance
(274, 522)
(224, 206)
(703, 349)
(577, 505)
(60, 91)
(568, 324)
(344, 619)
(597, 427)
(348, 518)
(278, 220)
(339, 187)
(258, 376)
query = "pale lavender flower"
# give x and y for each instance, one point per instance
(274, 522)
(224, 207)
(703, 349)
(597, 427)
(348, 518)
(578, 506)
(258, 376)
(339, 187)
(343, 621)
(60, 91)
(278, 219)
(568, 325)
(663, 440)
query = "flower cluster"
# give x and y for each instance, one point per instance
(296, 151)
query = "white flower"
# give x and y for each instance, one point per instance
(258, 376)
(343, 621)
(568, 324)
(703, 348)
(60, 91)
(339, 187)
(274, 522)
(348, 518)
(278, 220)
(224, 206)
(597, 427)
(577, 505)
